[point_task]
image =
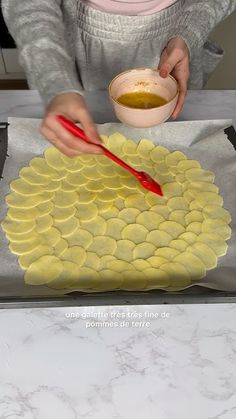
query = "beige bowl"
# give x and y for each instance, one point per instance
(144, 80)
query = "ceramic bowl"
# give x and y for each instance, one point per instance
(145, 80)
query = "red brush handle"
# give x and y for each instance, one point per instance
(78, 132)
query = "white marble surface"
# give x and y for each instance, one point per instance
(179, 365)
(203, 104)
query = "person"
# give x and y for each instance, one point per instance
(68, 47)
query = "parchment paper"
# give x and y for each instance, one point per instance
(201, 140)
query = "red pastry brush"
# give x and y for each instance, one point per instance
(144, 178)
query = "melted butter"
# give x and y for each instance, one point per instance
(141, 100)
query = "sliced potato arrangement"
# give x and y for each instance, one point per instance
(86, 224)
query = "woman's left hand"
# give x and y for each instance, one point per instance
(174, 60)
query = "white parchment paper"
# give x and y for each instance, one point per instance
(201, 140)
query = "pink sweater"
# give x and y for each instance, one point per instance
(130, 7)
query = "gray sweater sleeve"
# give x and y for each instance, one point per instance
(38, 29)
(198, 19)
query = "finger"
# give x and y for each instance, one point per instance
(168, 61)
(89, 127)
(50, 136)
(181, 99)
(68, 139)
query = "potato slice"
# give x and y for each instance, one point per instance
(178, 216)
(189, 237)
(80, 237)
(40, 166)
(54, 159)
(143, 250)
(144, 148)
(103, 245)
(30, 176)
(159, 238)
(85, 196)
(193, 265)
(159, 150)
(162, 210)
(136, 201)
(172, 189)
(51, 236)
(179, 244)
(216, 225)
(24, 188)
(111, 213)
(107, 195)
(140, 264)
(173, 228)
(195, 227)
(199, 175)
(137, 233)
(21, 214)
(74, 254)
(88, 278)
(67, 227)
(178, 274)
(63, 214)
(54, 185)
(153, 199)
(204, 252)
(167, 253)
(69, 275)
(25, 260)
(15, 200)
(87, 213)
(114, 228)
(205, 187)
(172, 159)
(43, 270)
(129, 148)
(43, 223)
(22, 248)
(156, 278)
(94, 186)
(204, 198)
(10, 226)
(76, 179)
(193, 216)
(149, 219)
(184, 165)
(60, 246)
(177, 203)
(92, 261)
(105, 261)
(215, 242)
(44, 208)
(97, 226)
(108, 280)
(214, 211)
(124, 250)
(65, 199)
(156, 261)
(133, 280)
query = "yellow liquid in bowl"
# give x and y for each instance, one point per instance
(141, 100)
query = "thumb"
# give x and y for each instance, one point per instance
(168, 60)
(89, 127)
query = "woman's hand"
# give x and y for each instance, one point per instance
(72, 106)
(174, 60)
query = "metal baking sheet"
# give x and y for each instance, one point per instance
(34, 295)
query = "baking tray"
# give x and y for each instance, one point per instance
(192, 295)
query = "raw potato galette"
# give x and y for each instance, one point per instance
(87, 224)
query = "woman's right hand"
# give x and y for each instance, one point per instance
(73, 107)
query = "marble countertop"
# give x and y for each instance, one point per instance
(203, 104)
(167, 362)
